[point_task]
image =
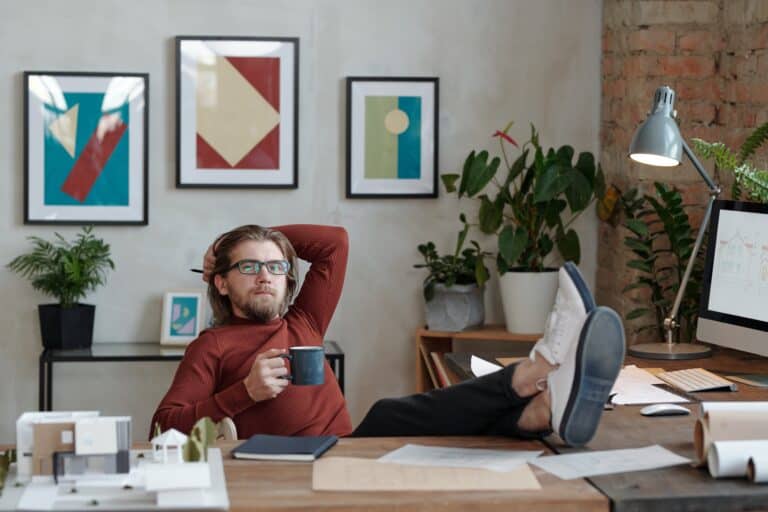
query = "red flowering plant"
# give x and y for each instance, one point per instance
(529, 203)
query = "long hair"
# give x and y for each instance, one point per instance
(222, 250)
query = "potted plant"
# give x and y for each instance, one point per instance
(66, 271)
(453, 290)
(530, 208)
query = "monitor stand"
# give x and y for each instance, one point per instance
(662, 350)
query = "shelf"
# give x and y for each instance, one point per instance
(428, 341)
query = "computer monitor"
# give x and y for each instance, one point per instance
(733, 311)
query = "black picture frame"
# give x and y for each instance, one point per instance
(59, 185)
(393, 180)
(236, 174)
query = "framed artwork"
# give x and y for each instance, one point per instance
(183, 317)
(85, 148)
(392, 137)
(237, 112)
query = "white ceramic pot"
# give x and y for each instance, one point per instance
(455, 308)
(527, 298)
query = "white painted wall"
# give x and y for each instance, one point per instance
(497, 60)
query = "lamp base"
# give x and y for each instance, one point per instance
(669, 351)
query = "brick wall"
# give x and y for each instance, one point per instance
(714, 54)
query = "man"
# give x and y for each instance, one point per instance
(235, 368)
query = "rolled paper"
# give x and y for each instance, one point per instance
(727, 425)
(757, 468)
(730, 458)
(705, 407)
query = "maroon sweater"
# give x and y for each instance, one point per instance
(209, 380)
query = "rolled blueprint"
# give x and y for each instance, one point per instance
(757, 468)
(705, 407)
(730, 458)
(727, 425)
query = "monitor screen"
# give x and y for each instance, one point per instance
(733, 310)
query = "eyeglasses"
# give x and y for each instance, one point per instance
(274, 267)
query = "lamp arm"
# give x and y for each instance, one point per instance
(713, 188)
(670, 323)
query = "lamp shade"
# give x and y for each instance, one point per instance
(657, 141)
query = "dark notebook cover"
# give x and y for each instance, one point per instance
(266, 447)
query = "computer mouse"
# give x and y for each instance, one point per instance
(664, 410)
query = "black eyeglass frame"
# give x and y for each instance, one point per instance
(285, 263)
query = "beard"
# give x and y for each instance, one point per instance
(260, 307)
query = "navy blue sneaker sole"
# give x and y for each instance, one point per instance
(599, 357)
(581, 286)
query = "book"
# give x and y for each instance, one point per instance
(428, 364)
(442, 376)
(759, 380)
(268, 447)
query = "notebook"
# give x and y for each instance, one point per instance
(266, 447)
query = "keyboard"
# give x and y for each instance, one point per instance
(696, 379)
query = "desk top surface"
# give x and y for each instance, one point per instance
(273, 485)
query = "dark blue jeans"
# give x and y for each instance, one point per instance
(483, 406)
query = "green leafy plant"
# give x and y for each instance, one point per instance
(531, 204)
(748, 179)
(661, 241)
(65, 270)
(461, 267)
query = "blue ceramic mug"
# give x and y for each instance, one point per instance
(307, 365)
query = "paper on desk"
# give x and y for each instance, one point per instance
(354, 474)
(482, 367)
(494, 460)
(636, 386)
(608, 462)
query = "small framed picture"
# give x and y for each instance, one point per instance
(392, 137)
(237, 112)
(183, 317)
(85, 148)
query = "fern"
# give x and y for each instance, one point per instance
(753, 142)
(65, 270)
(747, 179)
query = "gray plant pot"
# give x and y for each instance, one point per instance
(455, 308)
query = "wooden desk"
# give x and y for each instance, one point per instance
(680, 488)
(285, 486)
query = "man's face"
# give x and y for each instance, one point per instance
(254, 296)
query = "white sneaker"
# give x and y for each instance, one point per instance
(581, 385)
(572, 304)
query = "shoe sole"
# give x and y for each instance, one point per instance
(581, 286)
(599, 357)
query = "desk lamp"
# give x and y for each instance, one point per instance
(658, 142)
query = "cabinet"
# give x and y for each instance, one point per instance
(441, 342)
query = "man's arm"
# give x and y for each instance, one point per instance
(326, 248)
(192, 394)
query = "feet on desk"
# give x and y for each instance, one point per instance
(580, 386)
(573, 303)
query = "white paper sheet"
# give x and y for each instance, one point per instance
(730, 458)
(636, 386)
(482, 367)
(495, 460)
(607, 462)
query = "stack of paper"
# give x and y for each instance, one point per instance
(637, 386)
